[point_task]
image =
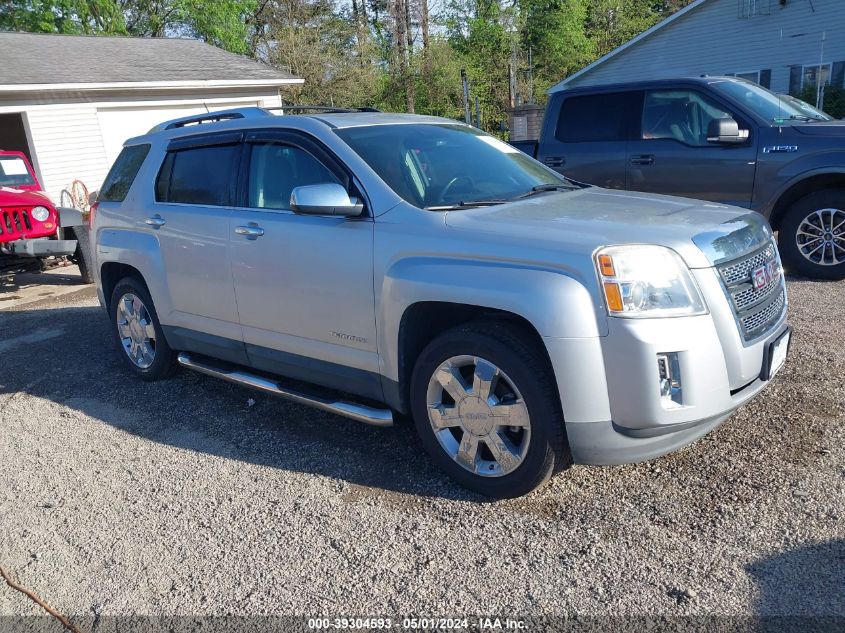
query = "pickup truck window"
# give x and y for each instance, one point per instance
(441, 165)
(594, 118)
(123, 172)
(762, 102)
(274, 171)
(13, 171)
(681, 115)
(201, 175)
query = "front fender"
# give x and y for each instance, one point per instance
(802, 169)
(140, 251)
(557, 305)
(69, 217)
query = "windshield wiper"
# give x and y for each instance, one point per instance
(800, 117)
(544, 188)
(468, 204)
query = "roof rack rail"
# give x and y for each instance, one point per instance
(320, 108)
(210, 117)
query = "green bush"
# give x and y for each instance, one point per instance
(834, 99)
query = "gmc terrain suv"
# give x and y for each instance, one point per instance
(418, 265)
(721, 139)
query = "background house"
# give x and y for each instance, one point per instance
(69, 102)
(782, 44)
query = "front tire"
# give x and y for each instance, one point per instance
(137, 331)
(82, 256)
(486, 407)
(811, 237)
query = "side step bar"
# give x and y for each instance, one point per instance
(362, 413)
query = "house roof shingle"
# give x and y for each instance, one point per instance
(36, 58)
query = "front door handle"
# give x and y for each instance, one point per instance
(555, 161)
(642, 159)
(251, 230)
(156, 221)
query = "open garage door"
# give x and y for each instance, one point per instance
(119, 124)
(13, 134)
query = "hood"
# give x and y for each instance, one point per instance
(821, 128)
(14, 197)
(581, 221)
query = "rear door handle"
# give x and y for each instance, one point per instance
(156, 221)
(642, 159)
(555, 161)
(251, 230)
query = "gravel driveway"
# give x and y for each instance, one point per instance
(196, 497)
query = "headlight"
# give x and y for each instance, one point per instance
(647, 281)
(40, 213)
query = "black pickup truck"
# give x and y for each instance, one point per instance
(721, 139)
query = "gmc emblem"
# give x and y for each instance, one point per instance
(762, 276)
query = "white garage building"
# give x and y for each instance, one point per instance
(70, 101)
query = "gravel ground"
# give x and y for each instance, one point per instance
(197, 497)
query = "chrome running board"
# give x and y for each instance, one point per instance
(362, 413)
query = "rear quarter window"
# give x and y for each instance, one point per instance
(595, 118)
(123, 172)
(199, 175)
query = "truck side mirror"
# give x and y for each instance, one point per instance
(725, 131)
(324, 199)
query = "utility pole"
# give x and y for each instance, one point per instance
(819, 83)
(465, 85)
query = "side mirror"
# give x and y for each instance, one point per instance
(725, 131)
(324, 199)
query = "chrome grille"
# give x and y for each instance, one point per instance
(734, 272)
(756, 323)
(756, 310)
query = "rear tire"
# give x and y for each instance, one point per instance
(503, 445)
(137, 331)
(811, 236)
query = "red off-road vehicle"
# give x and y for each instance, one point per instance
(32, 228)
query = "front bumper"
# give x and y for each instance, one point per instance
(609, 387)
(38, 248)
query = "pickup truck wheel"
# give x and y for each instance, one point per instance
(82, 256)
(138, 332)
(487, 411)
(811, 238)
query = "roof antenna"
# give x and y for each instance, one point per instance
(205, 105)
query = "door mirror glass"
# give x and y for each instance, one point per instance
(324, 199)
(725, 131)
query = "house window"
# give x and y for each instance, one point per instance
(750, 76)
(815, 74)
(753, 8)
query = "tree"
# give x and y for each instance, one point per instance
(62, 16)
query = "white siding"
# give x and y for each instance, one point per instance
(713, 39)
(69, 146)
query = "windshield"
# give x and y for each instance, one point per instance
(13, 171)
(809, 110)
(438, 166)
(761, 101)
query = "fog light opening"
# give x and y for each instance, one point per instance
(669, 379)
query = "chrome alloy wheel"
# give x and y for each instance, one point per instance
(478, 416)
(821, 237)
(136, 330)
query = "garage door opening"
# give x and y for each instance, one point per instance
(13, 135)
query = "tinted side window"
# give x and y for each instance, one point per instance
(123, 172)
(274, 171)
(681, 115)
(601, 117)
(199, 175)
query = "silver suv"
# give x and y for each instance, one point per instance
(417, 265)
